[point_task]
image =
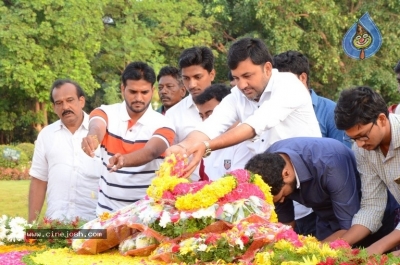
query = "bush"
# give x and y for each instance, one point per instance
(22, 163)
(14, 174)
(28, 149)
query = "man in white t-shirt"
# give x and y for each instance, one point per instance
(227, 159)
(197, 70)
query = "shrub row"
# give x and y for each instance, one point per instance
(14, 174)
(16, 169)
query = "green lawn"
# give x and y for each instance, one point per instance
(14, 198)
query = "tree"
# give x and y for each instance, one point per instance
(152, 31)
(40, 41)
(315, 28)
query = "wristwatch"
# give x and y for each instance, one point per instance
(208, 149)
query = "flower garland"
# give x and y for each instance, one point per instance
(208, 195)
(167, 177)
(266, 189)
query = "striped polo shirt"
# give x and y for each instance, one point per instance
(128, 184)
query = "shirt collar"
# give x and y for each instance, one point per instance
(145, 119)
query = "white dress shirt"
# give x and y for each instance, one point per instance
(72, 176)
(284, 110)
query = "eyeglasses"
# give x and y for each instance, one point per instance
(360, 138)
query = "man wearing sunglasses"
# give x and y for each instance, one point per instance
(363, 115)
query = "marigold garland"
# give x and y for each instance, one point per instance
(160, 185)
(208, 195)
(266, 189)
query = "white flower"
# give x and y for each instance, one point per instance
(202, 247)
(3, 220)
(165, 219)
(239, 242)
(17, 222)
(3, 232)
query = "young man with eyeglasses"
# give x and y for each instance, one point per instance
(364, 116)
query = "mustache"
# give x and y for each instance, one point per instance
(164, 98)
(65, 112)
(137, 102)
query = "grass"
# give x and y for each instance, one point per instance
(14, 198)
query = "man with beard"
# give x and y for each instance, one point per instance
(170, 88)
(269, 105)
(320, 173)
(133, 139)
(60, 169)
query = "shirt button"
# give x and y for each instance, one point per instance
(262, 140)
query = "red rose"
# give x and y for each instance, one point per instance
(175, 249)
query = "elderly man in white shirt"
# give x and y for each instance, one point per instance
(270, 105)
(60, 168)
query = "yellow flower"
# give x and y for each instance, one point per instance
(104, 216)
(161, 184)
(264, 258)
(312, 261)
(208, 195)
(284, 245)
(265, 188)
(67, 256)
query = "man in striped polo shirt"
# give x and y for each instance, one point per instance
(133, 138)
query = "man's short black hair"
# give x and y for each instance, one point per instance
(202, 56)
(358, 105)
(293, 62)
(252, 48)
(269, 166)
(138, 71)
(59, 82)
(217, 91)
(170, 71)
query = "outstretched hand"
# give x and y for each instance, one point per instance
(195, 154)
(90, 144)
(196, 151)
(116, 162)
